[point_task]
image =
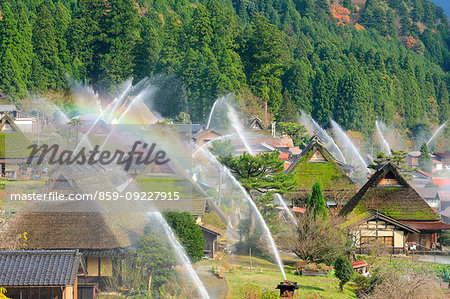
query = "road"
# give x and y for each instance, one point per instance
(217, 288)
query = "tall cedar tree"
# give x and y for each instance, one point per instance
(12, 75)
(316, 202)
(425, 159)
(263, 59)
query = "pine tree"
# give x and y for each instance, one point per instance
(425, 159)
(316, 202)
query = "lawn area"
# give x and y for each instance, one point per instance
(237, 273)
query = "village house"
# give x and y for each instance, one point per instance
(412, 159)
(444, 158)
(211, 235)
(205, 136)
(255, 124)
(315, 163)
(387, 209)
(420, 179)
(443, 197)
(430, 196)
(102, 233)
(43, 274)
(13, 150)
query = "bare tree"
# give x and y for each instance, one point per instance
(317, 239)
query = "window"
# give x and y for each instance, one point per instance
(388, 241)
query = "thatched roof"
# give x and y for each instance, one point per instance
(71, 225)
(85, 179)
(13, 143)
(389, 193)
(315, 163)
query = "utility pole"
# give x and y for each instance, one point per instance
(220, 185)
(38, 125)
(251, 267)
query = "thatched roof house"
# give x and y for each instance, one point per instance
(315, 163)
(66, 225)
(13, 149)
(389, 195)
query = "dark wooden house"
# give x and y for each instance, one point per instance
(211, 235)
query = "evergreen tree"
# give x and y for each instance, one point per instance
(263, 60)
(425, 159)
(13, 74)
(316, 202)
(146, 51)
(48, 70)
(119, 27)
(343, 270)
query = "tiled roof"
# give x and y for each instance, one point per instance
(7, 108)
(441, 182)
(444, 195)
(427, 192)
(358, 264)
(434, 225)
(284, 156)
(445, 155)
(188, 128)
(39, 268)
(299, 210)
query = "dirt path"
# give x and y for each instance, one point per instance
(217, 288)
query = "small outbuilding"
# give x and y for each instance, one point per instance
(211, 235)
(41, 274)
(361, 267)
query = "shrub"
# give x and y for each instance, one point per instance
(188, 232)
(343, 271)
(250, 291)
(270, 295)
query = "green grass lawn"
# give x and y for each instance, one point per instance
(237, 273)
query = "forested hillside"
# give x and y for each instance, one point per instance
(445, 4)
(352, 60)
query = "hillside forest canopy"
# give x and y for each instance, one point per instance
(351, 60)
